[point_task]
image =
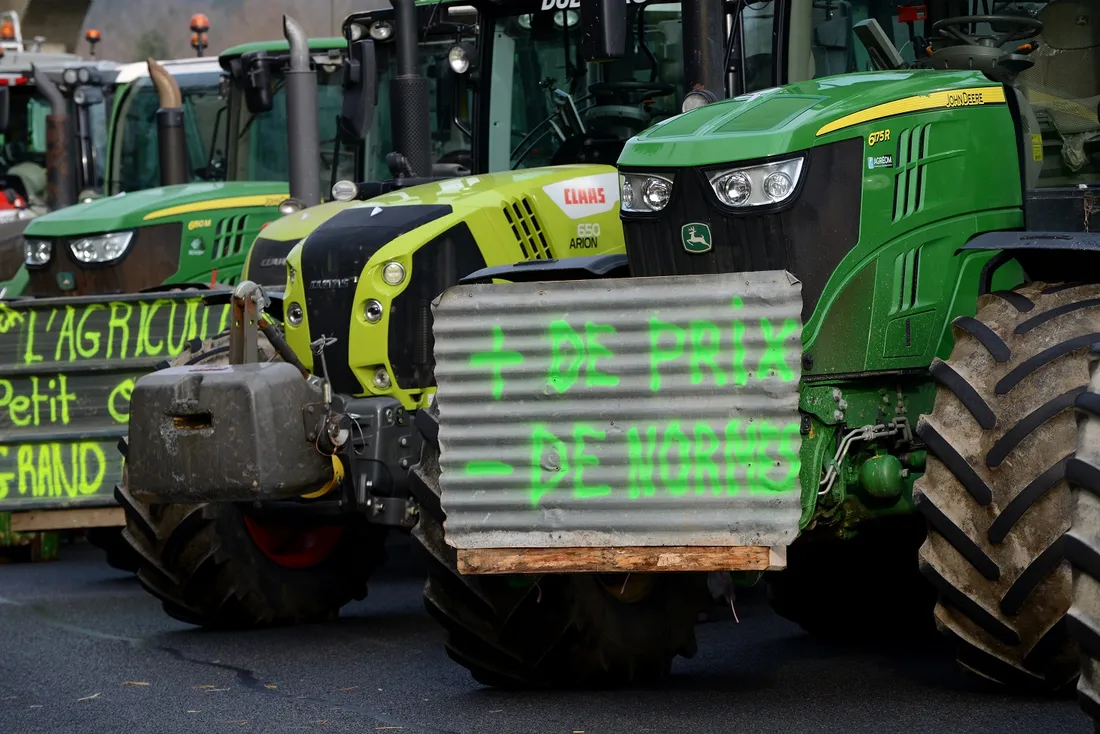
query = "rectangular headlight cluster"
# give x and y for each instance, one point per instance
(768, 183)
(101, 248)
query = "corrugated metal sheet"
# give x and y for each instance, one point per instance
(66, 370)
(671, 420)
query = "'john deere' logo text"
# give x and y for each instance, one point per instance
(585, 196)
(696, 237)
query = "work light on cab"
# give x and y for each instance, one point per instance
(37, 252)
(461, 58)
(381, 30)
(102, 248)
(769, 183)
(644, 193)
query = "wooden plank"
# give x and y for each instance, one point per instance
(91, 517)
(617, 560)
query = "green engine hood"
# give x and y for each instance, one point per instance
(128, 210)
(786, 119)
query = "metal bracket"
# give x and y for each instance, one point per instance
(244, 331)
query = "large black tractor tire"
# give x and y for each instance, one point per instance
(1083, 545)
(119, 553)
(869, 587)
(995, 495)
(556, 630)
(204, 564)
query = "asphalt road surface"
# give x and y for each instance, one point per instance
(83, 649)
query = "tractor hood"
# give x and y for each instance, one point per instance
(128, 210)
(797, 117)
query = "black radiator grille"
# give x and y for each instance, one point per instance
(807, 238)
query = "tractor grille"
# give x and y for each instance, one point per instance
(910, 164)
(267, 261)
(532, 241)
(807, 238)
(229, 236)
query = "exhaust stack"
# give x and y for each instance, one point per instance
(60, 177)
(171, 139)
(411, 95)
(302, 130)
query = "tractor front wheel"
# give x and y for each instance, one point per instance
(214, 565)
(995, 495)
(557, 630)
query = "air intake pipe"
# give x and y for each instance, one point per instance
(410, 94)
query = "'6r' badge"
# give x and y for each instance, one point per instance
(696, 237)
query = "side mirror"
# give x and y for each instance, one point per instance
(603, 30)
(257, 84)
(5, 108)
(360, 91)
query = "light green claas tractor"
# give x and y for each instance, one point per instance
(295, 540)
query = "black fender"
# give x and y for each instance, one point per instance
(1044, 256)
(572, 268)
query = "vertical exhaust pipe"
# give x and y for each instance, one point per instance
(171, 138)
(302, 129)
(704, 46)
(410, 94)
(60, 176)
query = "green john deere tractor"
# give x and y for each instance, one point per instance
(356, 315)
(844, 302)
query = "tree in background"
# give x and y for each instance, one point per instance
(151, 43)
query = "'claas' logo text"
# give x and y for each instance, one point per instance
(585, 196)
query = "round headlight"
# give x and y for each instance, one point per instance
(357, 31)
(83, 75)
(697, 98)
(80, 97)
(289, 206)
(372, 312)
(69, 76)
(294, 314)
(734, 188)
(777, 186)
(459, 59)
(393, 273)
(656, 192)
(344, 190)
(381, 30)
(381, 378)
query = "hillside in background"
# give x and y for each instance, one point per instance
(136, 29)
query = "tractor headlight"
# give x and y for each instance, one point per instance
(37, 252)
(769, 183)
(643, 192)
(101, 248)
(344, 190)
(290, 206)
(393, 273)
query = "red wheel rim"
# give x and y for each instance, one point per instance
(294, 547)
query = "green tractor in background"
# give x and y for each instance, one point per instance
(297, 540)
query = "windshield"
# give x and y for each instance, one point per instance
(562, 110)
(23, 155)
(450, 146)
(261, 139)
(135, 157)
